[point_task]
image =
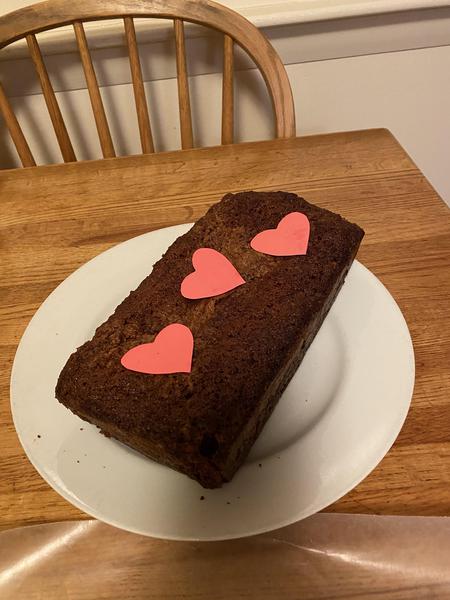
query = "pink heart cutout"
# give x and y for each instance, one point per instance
(170, 352)
(213, 274)
(290, 238)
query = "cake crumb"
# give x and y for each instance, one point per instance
(260, 465)
(78, 461)
(228, 502)
(39, 435)
(202, 497)
(81, 428)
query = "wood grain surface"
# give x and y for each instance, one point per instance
(55, 218)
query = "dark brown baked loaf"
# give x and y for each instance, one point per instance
(248, 342)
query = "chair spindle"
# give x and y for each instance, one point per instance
(15, 131)
(145, 130)
(183, 87)
(228, 91)
(54, 111)
(94, 92)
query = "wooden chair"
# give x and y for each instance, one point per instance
(27, 22)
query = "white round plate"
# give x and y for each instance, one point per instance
(336, 420)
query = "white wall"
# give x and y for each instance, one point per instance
(406, 92)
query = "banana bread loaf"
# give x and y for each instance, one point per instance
(248, 342)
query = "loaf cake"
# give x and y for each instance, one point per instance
(248, 341)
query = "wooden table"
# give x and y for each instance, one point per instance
(55, 218)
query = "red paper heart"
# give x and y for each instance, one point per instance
(170, 352)
(290, 238)
(213, 275)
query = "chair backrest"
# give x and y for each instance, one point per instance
(27, 22)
